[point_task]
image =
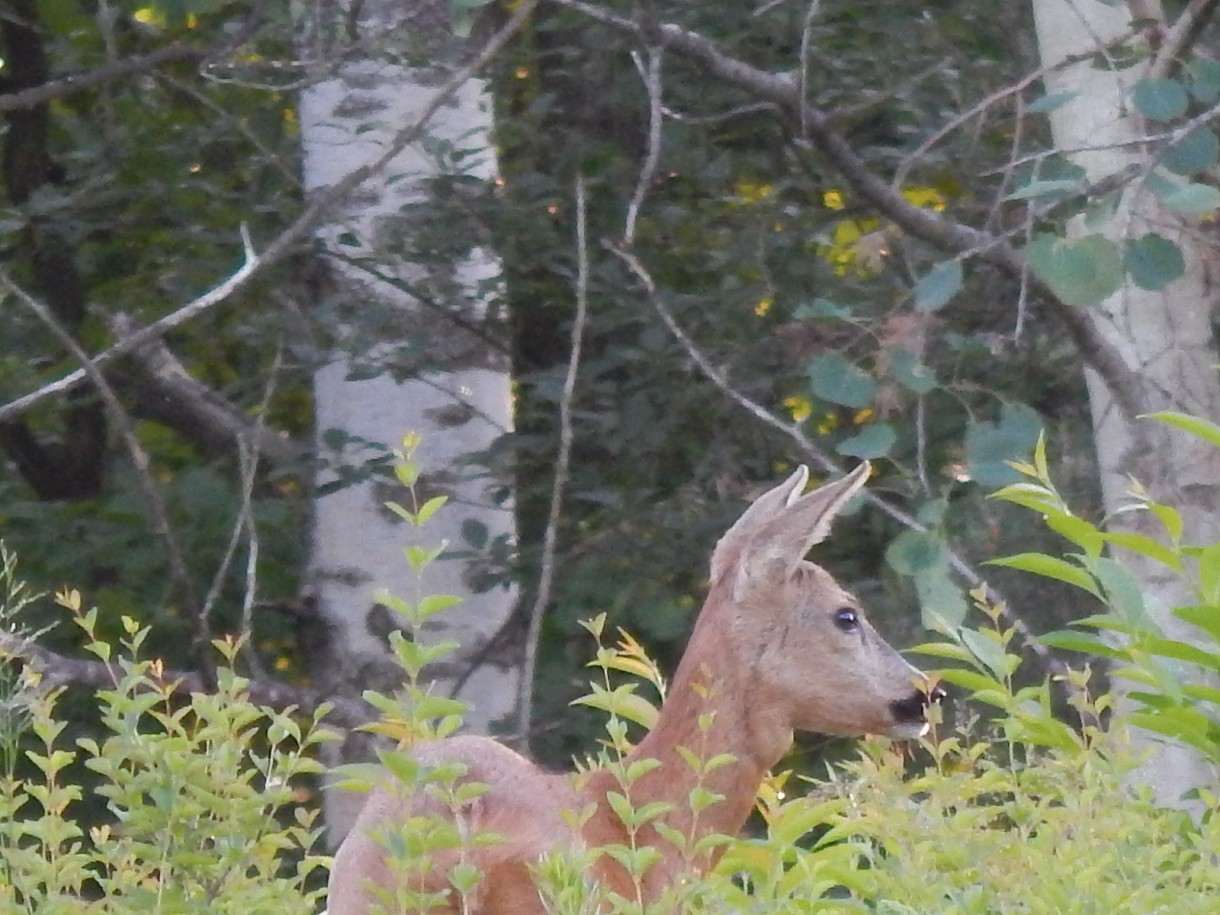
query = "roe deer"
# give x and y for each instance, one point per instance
(778, 646)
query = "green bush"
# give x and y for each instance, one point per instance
(1017, 812)
(202, 793)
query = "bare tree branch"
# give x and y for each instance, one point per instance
(562, 460)
(925, 224)
(164, 391)
(61, 670)
(113, 70)
(992, 99)
(286, 242)
(128, 66)
(202, 639)
(1182, 36)
(650, 73)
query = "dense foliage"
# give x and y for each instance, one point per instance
(777, 273)
(750, 308)
(1022, 812)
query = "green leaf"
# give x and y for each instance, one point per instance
(938, 286)
(1081, 272)
(914, 551)
(430, 508)
(943, 650)
(837, 380)
(987, 651)
(873, 441)
(972, 680)
(1153, 261)
(1193, 200)
(621, 806)
(1078, 531)
(1083, 642)
(1146, 546)
(1050, 102)
(1204, 80)
(1123, 591)
(1048, 567)
(436, 603)
(1198, 151)
(822, 308)
(1160, 99)
(1204, 616)
(1034, 189)
(1182, 651)
(464, 877)
(909, 372)
(941, 601)
(991, 445)
(1195, 425)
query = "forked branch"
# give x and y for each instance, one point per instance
(928, 226)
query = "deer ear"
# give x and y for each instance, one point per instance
(804, 520)
(763, 509)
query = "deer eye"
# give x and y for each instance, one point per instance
(846, 619)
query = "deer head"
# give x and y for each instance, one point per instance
(817, 662)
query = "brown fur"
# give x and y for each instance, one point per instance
(766, 658)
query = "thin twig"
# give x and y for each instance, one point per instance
(805, 52)
(284, 243)
(559, 481)
(248, 456)
(650, 72)
(994, 98)
(721, 117)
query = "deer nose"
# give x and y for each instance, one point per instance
(912, 708)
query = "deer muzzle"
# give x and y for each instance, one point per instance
(911, 714)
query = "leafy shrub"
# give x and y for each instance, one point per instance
(202, 791)
(1021, 812)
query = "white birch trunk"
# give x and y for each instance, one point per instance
(1165, 339)
(357, 544)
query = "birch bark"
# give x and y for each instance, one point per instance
(429, 376)
(1165, 338)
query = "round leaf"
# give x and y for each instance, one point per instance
(909, 372)
(914, 551)
(1160, 99)
(941, 602)
(938, 286)
(1195, 152)
(1193, 200)
(1204, 80)
(1153, 261)
(1081, 272)
(835, 379)
(872, 441)
(991, 445)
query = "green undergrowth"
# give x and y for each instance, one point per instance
(1019, 810)
(203, 792)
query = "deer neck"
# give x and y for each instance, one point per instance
(714, 706)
